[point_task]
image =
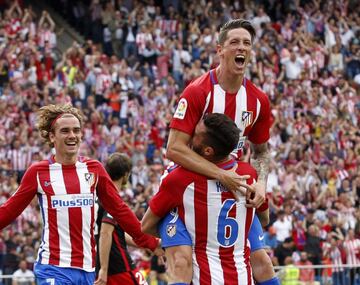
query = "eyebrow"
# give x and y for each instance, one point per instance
(68, 128)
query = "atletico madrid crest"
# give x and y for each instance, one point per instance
(90, 179)
(171, 230)
(246, 118)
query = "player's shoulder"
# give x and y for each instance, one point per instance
(89, 161)
(244, 168)
(93, 165)
(180, 176)
(38, 165)
(200, 84)
(255, 91)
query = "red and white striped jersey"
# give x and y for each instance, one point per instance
(66, 195)
(217, 224)
(336, 260)
(352, 248)
(249, 108)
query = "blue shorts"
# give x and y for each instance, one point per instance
(173, 231)
(256, 235)
(54, 275)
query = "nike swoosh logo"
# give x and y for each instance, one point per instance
(261, 237)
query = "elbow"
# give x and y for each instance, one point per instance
(171, 153)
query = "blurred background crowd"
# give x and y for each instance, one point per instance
(128, 75)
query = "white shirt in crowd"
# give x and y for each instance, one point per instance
(292, 68)
(283, 229)
(26, 277)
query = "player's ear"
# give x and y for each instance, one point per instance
(208, 151)
(219, 49)
(52, 136)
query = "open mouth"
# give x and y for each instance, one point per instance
(71, 143)
(240, 60)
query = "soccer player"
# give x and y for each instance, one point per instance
(218, 224)
(114, 262)
(226, 90)
(66, 185)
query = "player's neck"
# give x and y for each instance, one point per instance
(118, 183)
(221, 161)
(229, 82)
(65, 160)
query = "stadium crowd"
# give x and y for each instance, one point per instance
(127, 77)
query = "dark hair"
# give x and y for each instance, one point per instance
(117, 165)
(47, 116)
(235, 24)
(222, 134)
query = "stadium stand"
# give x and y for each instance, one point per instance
(128, 75)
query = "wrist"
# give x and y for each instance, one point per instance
(219, 175)
(264, 206)
(262, 184)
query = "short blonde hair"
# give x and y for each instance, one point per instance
(47, 116)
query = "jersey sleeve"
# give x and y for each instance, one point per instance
(168, 197)
(189, 110)
(121, 212)
(16, 204)
(260, 131)
(245, 168)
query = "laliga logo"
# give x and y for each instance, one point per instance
(181, 109)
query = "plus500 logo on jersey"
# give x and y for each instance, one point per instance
(72, 201)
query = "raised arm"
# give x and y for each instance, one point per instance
(51, 22)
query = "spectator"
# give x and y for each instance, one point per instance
(270, 238)
(307, 275)
(282, 227)
(327, 132)
(293, 66)
(313, 248)
(23, 276)
(284, 250)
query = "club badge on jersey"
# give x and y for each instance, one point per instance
(246, 118)
(90, 178)
(171, 230)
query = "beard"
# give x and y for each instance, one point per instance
(198, 149)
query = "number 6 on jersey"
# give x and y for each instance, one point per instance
(227, 226)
